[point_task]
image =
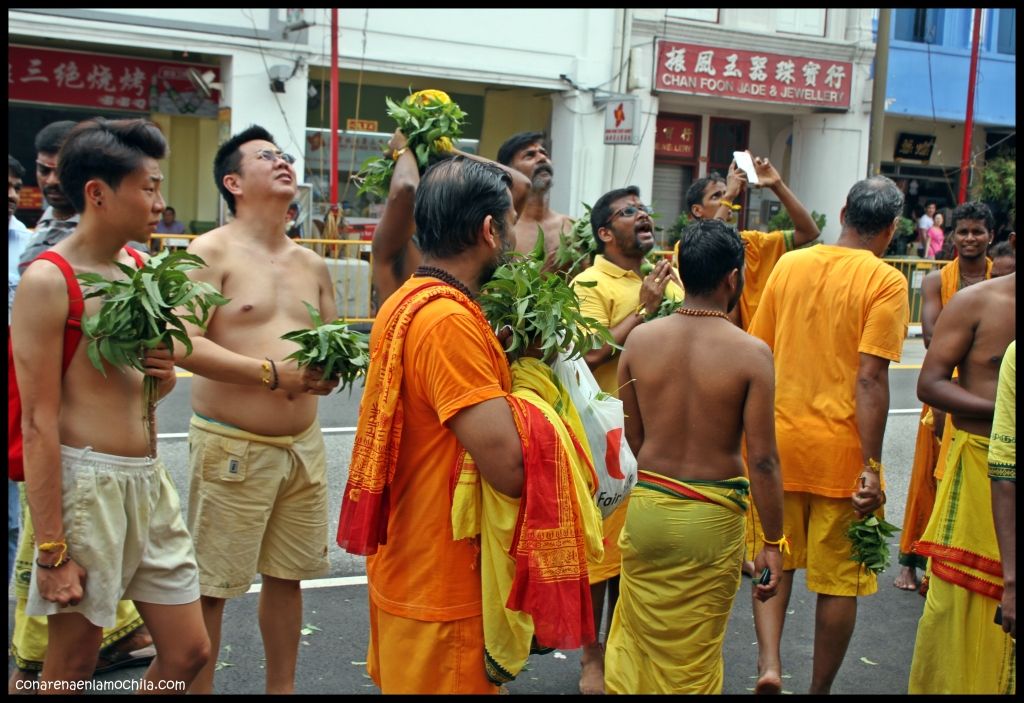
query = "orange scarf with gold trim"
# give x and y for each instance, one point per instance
(950, 278)
(365, 505)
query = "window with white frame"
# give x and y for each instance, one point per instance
(806, 20)
(688, 14)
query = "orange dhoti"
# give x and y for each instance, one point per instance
(921, 492)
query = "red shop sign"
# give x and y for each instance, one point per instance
(56, 77)
(676, 138)
(752, 75)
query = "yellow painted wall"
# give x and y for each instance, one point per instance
(188, 170)
(510, 111)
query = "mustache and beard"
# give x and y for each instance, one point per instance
(537, 182)
(502, 257)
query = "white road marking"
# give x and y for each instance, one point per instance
(322, 583)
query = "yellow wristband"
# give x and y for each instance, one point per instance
(782, 542)
(729, 204)
(53, 546)
(265, 378)
(395, 153)
(641, 310)
(874, 467)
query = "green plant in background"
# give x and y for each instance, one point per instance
(869, 544)
(675, 232)
(144, 310)
(431, 123)
(576, 249)
(906, 233)
(999, 187)
(782, 220)
(341, 352)
(541, 309)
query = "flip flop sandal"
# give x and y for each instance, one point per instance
(110, 659)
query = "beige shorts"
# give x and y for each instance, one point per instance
(256, 504)
(123, 525)
(816, 527)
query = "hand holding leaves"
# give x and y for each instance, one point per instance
(869, 546)
(339, 351)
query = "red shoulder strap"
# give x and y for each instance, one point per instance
(135, 255)
(73, 330)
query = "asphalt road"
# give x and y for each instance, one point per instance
(333, 647)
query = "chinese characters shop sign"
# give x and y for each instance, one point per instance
(55, 77)
(752, 75)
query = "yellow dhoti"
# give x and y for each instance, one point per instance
(959, 649)
(682, 547)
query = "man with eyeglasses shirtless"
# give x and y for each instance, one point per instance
(615, 293)
(258, 493)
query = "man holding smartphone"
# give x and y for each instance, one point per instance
(716, 197)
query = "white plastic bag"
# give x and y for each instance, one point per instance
(604, 423)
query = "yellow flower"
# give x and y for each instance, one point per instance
(425, 96)
(443, 145)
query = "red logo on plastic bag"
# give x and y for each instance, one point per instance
(611, 453)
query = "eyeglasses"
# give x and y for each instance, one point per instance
(630, 210)
(272, 156)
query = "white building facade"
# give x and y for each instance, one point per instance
(552, 70)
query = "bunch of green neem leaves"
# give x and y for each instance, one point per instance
(431, 124)
(576, 249)
(142, 311)
(541, 309)
(341, 352)
(869, 546)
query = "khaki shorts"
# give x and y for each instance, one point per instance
(816, 527)
(123, 525)
(256, 504)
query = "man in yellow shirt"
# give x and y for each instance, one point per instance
(715, 197)
(615, 293)
(1002, 470)
(831, 404)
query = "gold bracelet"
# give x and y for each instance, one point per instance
(782, 542)
(873, 466)
(641, 311)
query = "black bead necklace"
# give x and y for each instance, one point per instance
(444, 276)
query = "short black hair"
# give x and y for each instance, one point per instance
(517, 142)
(452, 200)
(51, 137)
(1003, 248)
(14, 166)
(108, 150)
(229, 158)
(708, 250)
(695, 193)
(974, 211)
(601, 213)
(171, 210)
(872, 205)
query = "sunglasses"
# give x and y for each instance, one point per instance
(272, 156)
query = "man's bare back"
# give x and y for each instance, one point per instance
(696, 402)
(267, 286)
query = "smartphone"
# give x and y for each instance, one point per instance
(766, 577)
(999, 616)
(746, 163)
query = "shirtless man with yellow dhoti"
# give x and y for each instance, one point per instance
(682, 543)
(959, 648)
(973, 225)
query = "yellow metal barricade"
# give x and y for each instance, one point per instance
(914, 270)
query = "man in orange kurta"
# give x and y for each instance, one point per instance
(437, 383)
(831, 404)
(972, 233)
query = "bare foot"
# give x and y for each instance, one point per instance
(768, 683)
(907, 579)
(592, 674)
(18, 683)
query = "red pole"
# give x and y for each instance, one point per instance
(334, 109)
(969, 122)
